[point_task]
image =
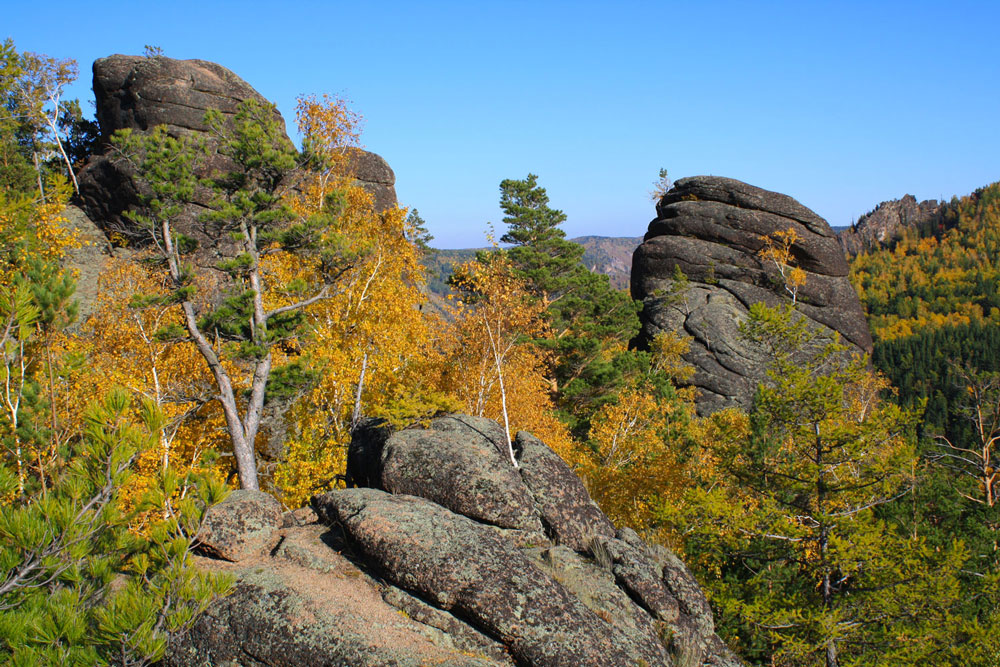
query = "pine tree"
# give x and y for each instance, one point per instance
(591, 322)
(417, 232)
(252, 218)
(79, 587)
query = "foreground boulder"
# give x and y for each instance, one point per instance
(420, 566)
(243, 526)
(714, 229)
(139, 93)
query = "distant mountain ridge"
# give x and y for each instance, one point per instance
(610, 255)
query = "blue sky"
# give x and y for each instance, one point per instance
(841, 105)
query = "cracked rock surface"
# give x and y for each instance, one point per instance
(714, 230)
(415, 567)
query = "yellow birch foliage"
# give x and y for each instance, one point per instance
(31, 229)
(34, 238)
(121, 349)
(638, 444)
(778, 251)
(372, 324)
(495, 319)
(330, 130)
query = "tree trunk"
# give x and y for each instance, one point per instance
(38, 175)
(62, 151)
(356, 414)
(241, 434)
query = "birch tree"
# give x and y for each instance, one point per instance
(39, 89)
(494, 365)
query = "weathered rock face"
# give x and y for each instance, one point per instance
(86, 262)
(418, 568)
(139, 93)
(714, 229)
(890, 218)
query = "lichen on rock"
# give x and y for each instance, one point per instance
(421, 577)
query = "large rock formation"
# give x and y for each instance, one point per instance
(714, 229)
(878, 228)
(424, 566)
(139, 93)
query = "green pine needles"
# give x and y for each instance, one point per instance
(80, 587)
(591, 322)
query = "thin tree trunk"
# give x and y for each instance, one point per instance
(356, 414)
(38, 175)
(53, 411)
(494, 344)
(824, 546)
(62, 151)
(262, 369)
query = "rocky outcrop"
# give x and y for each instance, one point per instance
(375, 175)
(714, 230)
(878, 228)
(139, 93)
(421, 566)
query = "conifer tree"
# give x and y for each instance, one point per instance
(417, 232)
(16, 174)
(251, 218)
(78, 586)
(801, 556)
(591, 322)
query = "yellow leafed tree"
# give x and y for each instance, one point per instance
(125, 347)
(369, 348)
(778, 250)
(635, 461)
(34, 305)
(490, 363)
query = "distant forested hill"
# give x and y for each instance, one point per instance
(438, 264)
(940, 273)
(934, 307)
(610, 255)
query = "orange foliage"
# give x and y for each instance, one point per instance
(638, 444)
(122, 350)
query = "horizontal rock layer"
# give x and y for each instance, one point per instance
(714, 229)
(139, 93)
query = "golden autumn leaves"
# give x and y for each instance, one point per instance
(365, 347)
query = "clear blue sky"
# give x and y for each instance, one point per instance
(839, 104)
